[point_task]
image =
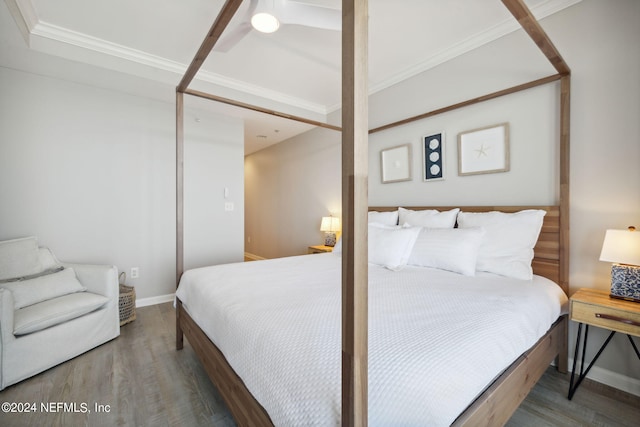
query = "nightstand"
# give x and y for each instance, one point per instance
(593, 307)
(319, 249)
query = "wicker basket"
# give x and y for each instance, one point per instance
(127, 302)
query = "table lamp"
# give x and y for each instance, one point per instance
(622, 247)
(330, 225)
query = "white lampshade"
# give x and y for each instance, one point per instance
(622, 247)
(265, 22)
(330, 224)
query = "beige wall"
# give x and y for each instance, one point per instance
(289, 187)
(599, 41)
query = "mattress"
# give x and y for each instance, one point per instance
(436, 339)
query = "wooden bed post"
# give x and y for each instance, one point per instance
(251, 107)
(224, 17)
(179, 207)
(469, 102)
(179, 186)
(562, 362)
(222, 20)
(354, 211)
(565, 111)
(531, 26)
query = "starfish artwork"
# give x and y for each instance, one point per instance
(482, 150)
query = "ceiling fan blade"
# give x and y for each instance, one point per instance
(232, 36)
(308, 15)
(228, 41)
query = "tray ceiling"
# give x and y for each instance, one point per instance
(295, 70)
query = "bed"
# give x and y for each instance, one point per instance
(268, 334)
(501, 397)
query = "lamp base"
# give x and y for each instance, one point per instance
(625, 282)
(330, 239)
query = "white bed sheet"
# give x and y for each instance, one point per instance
(436, 339)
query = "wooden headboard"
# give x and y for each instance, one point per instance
(548, 256)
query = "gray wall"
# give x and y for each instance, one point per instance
(91, 173)
(599, 41)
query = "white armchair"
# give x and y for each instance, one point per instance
(51, 316)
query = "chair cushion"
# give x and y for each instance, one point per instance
(55, 311)
(18, 258)
(33, 291)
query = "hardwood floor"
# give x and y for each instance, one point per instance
(140, 375)
(594, 404)
(141, 380)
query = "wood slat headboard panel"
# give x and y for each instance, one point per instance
(547, 257)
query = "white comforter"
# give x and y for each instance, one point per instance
(436, 339)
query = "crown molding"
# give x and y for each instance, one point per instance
(475, 41)
(64, 35)
(69, 37)
(30, 25)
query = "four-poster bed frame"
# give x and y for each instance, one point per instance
(500, 399)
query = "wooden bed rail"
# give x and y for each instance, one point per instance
(491, 408)
(497, 403)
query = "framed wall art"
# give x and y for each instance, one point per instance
(395, 164)
(484, 150)
(433, 157)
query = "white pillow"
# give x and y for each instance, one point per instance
(507, 247)
(33, 291)
(48, 264)
(55, 311)
(18, 258)
(374, 217)
(429, 218)
(337, 248)
(386, 218)
(391, 247)
(451, 249)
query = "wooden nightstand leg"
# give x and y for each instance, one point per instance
(583, 373)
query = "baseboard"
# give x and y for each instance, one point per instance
(613, 379)
(143, 302)
(252, 257)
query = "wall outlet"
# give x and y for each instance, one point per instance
(228, 206)
(135, 272)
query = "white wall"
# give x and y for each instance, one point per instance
(605, 135)
(91, 173)
(214, 158)
(599, 42)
